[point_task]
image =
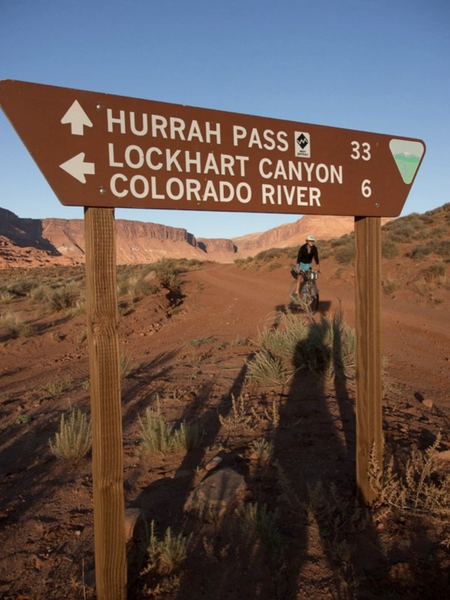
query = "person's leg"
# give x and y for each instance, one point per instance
(300, 281)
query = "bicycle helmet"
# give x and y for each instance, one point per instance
(310, 238)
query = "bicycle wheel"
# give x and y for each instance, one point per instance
(310, 297)
(315, 302)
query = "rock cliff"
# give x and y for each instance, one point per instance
(36, 242)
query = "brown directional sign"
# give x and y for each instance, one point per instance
(101, 150)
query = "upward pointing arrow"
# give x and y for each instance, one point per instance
(77, 118)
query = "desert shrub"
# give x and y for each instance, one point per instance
(63, 298)
(442, 249)
(323, 348)
(160, 436)
(136, 281)
(267, 255)
(13, 323)
(79, 307)
(39, 293)
(126, 364)
(325, 249)
(59, 385)
(167, 555)
(345, 254)
(22, 287)
(257, 521)
(389, 249)
(145, 287)
(73, 441)
(343, 240)
(169, 274)
(191, 264)
(263, 451)
(201, 341)
(439, 231)
(412, 487)
(273, 266)
(419, 252)
(406, 229)
(340, 518)
(291, 253)
(6, 297)
(434, 272)
(268, 369)
(389, 286)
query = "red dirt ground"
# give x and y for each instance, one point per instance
(194, 358)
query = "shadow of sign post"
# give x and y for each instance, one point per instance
(101, 152)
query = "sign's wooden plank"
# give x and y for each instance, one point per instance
(113, 151)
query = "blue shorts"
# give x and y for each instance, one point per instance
(305, 266)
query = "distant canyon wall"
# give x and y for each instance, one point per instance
(36, 242)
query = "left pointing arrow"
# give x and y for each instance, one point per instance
(78, 168)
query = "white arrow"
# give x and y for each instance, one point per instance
(77, 118)
(78, 168)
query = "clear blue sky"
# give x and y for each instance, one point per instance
(372, 65)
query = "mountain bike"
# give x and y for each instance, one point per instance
(308, 297)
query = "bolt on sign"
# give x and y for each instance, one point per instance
(101, 150)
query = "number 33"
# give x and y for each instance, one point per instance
(357, 153)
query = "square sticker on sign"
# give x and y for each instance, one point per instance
(302, 144)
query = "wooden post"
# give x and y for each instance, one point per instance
(106, 413)
(369, 433)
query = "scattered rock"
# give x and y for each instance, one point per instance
(217, 494)
(132, 517)
(89, 578)
(427, 403)
(182, 474)
(444, 455)
(213, 463)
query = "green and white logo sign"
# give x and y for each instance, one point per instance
(407, 156)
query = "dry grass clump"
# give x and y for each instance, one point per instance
(389, 286)
(262, 450)
(15, 326)
(136, 283)
(57, 296)
(257, 521)
(324, 348)
(126, 365)
(416, 487)
(6, 297)
(169, 274)
(73, 441)
(168, 554)
(58, 386)
(158, 436)
(247, 415)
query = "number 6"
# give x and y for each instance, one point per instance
(366, 189)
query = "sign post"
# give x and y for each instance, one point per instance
(103, 152)
(369, 434)
(106, 407)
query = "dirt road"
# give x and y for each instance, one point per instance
(415, 337)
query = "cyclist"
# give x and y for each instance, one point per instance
(306, 254)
